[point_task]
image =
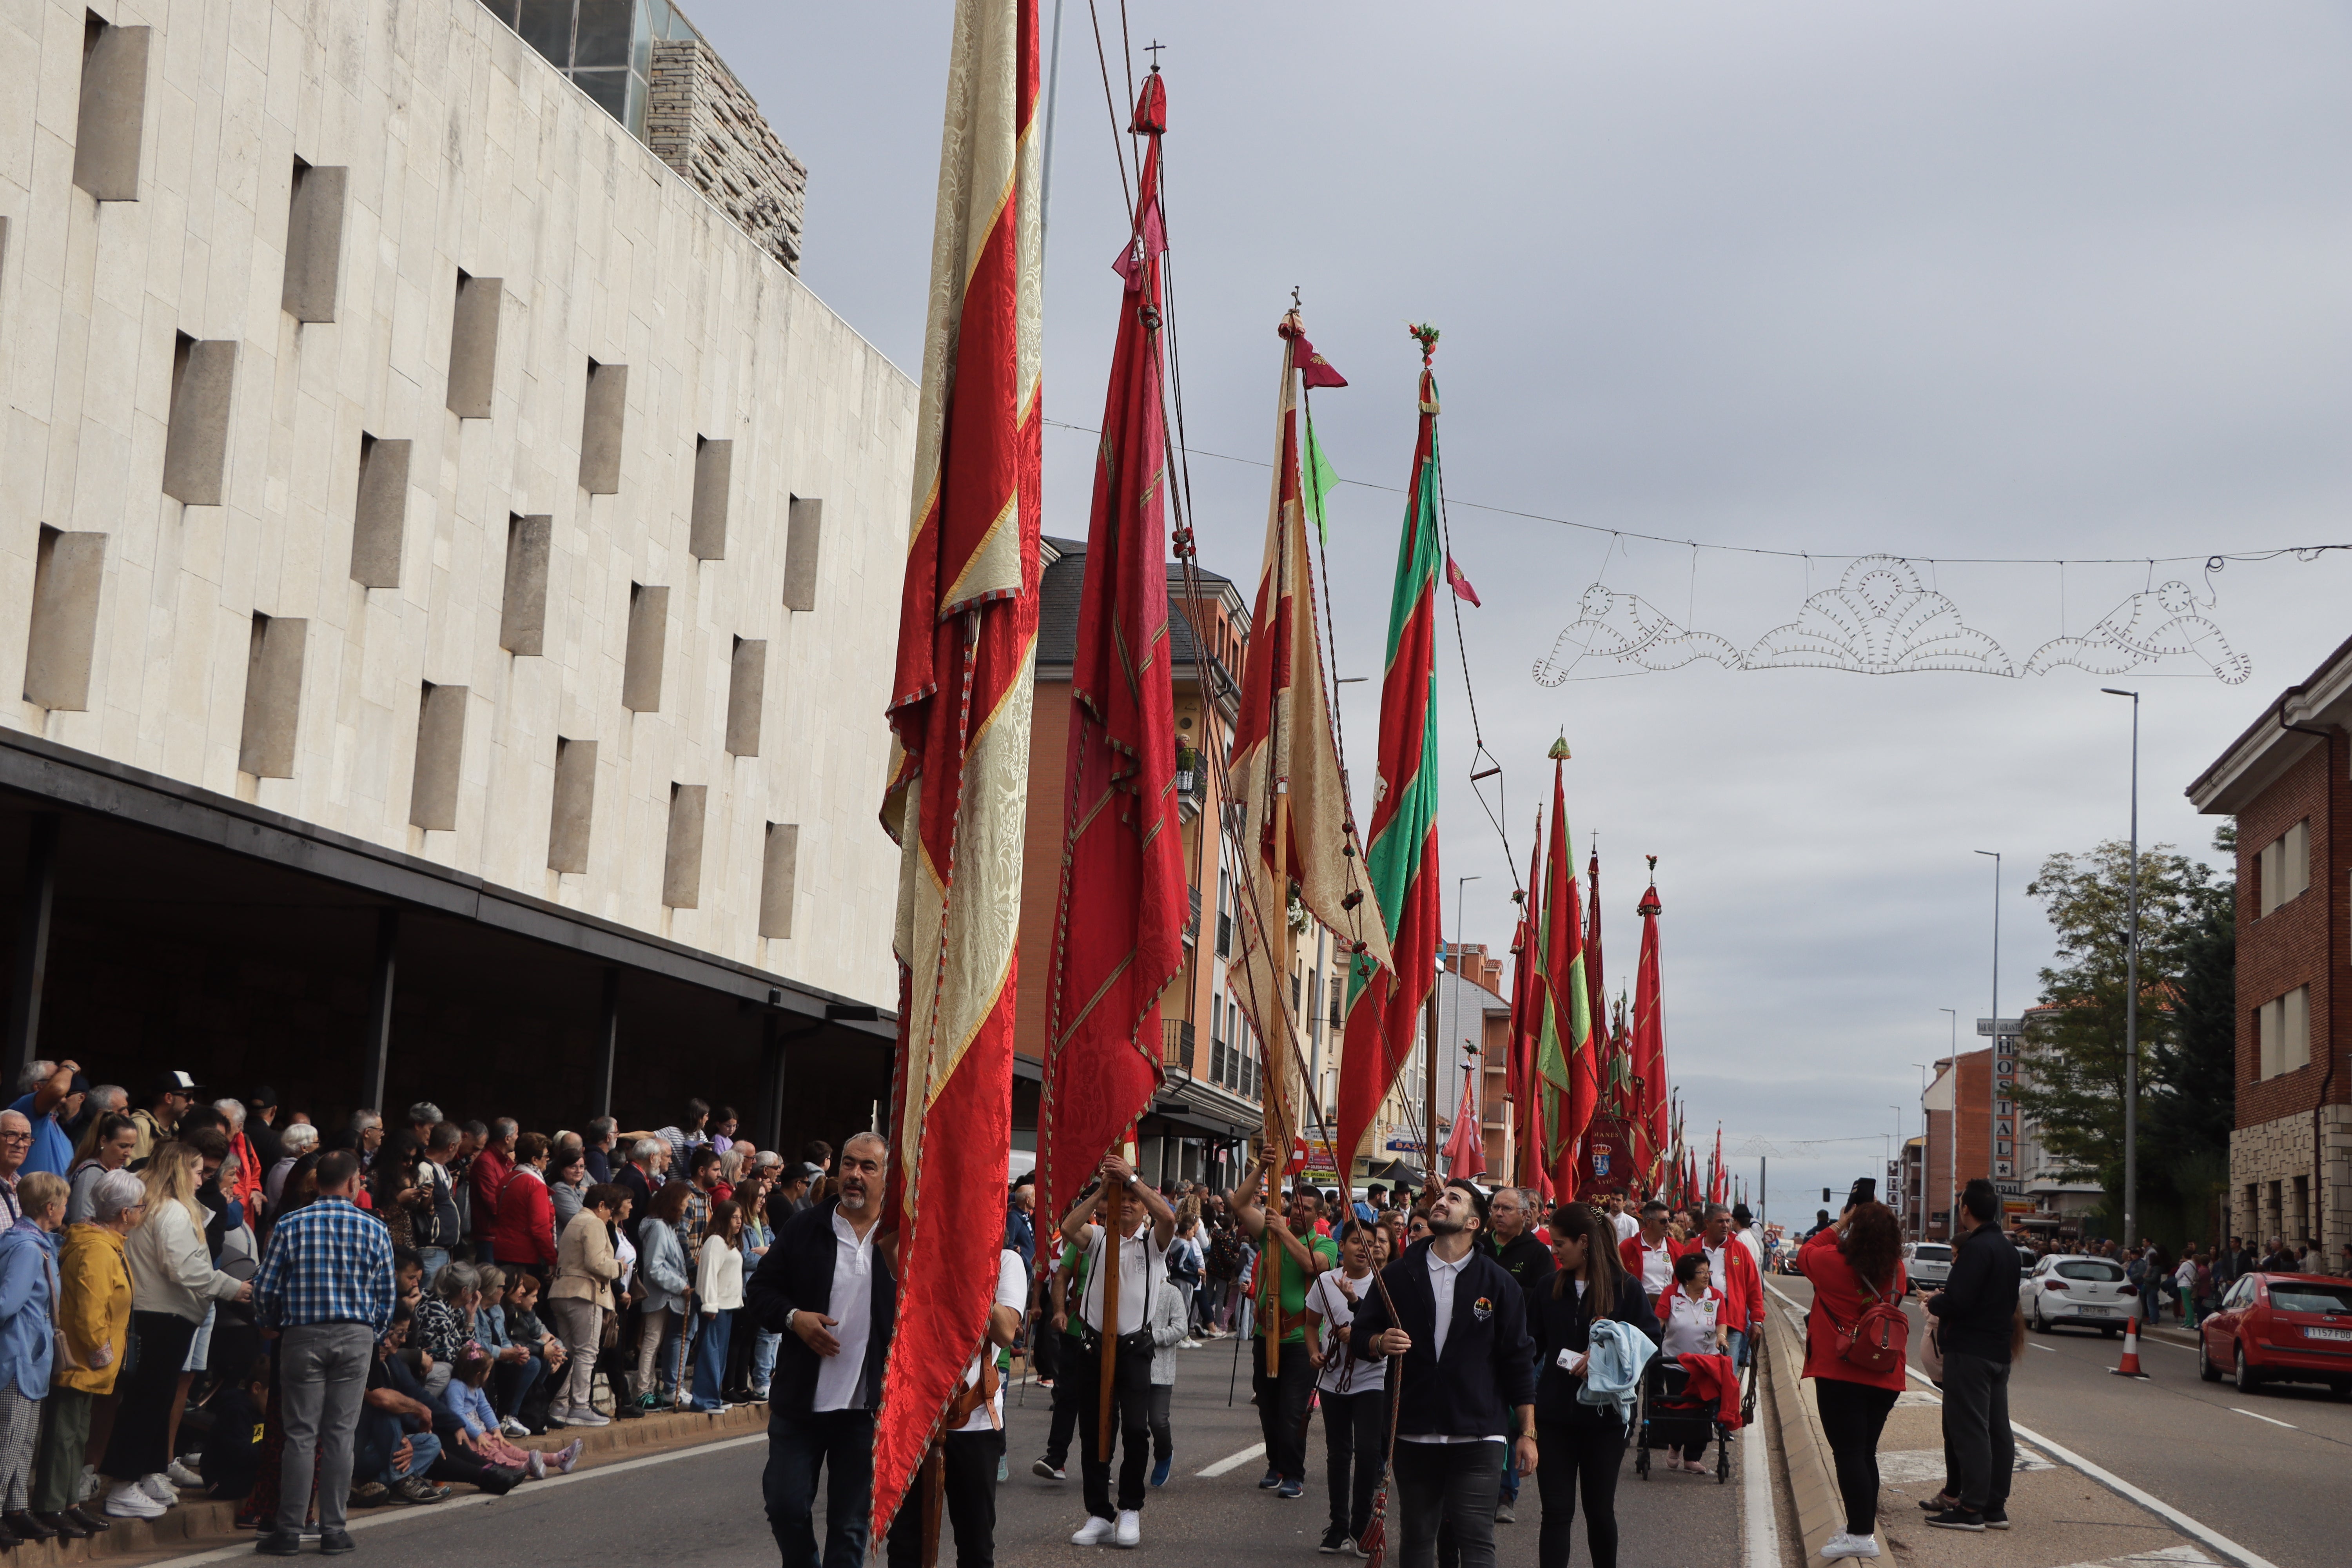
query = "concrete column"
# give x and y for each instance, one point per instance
(376, 1051)
(608, 1041)
(32, 940)
(768, 1116)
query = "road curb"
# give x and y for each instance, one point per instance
(1812, 1472)
(201, 1522)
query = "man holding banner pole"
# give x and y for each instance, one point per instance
(1290, 1254)
(1148, 1226)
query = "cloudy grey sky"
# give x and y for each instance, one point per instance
(2007, 280)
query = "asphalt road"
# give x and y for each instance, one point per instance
(703, 1508)
(2266, 1471)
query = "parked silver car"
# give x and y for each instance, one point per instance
(2089, 1292)
(1928, 1263)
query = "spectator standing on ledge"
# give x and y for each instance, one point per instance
(105, 1146)
(687, 1133)
(585, 1268)
(485, 1177)
(822, 1288)
(1978, 1306)
(27, 1348)
(49, 1095)
(326, 1287)
(93, 1319)
(1854, 1265)
(168, 1097)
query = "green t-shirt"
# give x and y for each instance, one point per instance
(1295, 1281)
(1074, 1258)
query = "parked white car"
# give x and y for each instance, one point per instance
(2089, 1292)
(1928, 1263)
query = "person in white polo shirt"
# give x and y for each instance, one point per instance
(1151, 1227)
(974, 1443)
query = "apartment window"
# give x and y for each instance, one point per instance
(602, 420)
(779, 879)
(714, 468)
(440, 749)
(314, 242)
(1338, 1000)
(575, 805)
(1225, 920)
(68, 571)
(113, 109)
(474, 345)
(273, 697)
(804, 527)
(1216, 1038)
(195, 440)
(682, 860)
(2283, 1027)
(2282, 872)
(380, 520)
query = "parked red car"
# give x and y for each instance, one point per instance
(2280, 1328)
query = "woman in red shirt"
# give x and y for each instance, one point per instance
(1853, 1265)
(524, 1236)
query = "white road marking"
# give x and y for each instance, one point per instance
(243, 1550)
(2105, 1477)
(1234, 1461)
(1761, 1547)
(2051, 1349)
(2273, 1420)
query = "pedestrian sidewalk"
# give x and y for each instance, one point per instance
(2059, 1516)
(198, 1522)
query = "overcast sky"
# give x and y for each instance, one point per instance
(2007, 280)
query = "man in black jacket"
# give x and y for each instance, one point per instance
(1528, 1261)
(1978, 1306)
(1466, 1400)
(823, 1287)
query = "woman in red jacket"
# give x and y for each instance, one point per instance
(524, 1237)
(1854, 1264)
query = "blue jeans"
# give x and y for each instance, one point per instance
(798, 1443)
(763, 1358)
(710, 1361)
(424, 1447)
(435, 1259)
(1738, 1349)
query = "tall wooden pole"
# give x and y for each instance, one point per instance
(1114, 1256)
(1278, 1128)
(1429, 1102)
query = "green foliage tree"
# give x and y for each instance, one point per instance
(2074, 1055)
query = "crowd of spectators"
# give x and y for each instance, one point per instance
(222, 1297)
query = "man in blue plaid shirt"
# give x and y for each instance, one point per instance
(326, 1289)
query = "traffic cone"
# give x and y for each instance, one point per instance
(2130, 1367)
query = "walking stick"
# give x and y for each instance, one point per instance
(933, 1480)
(1374, 1542)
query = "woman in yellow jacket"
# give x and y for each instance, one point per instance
(94, 1324)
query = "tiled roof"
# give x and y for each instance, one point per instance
(1061, 583)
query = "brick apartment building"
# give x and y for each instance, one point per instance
(1967, 1078)
(2288, 782)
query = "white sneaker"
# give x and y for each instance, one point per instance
(87, 1487)
(160, 1487)
(535, 1466)
(587, 1418)
(129, 1499)
(183, 1474)
(1130, 1528)
(1093, 1532)
(1843, 1544)
(514, 1428)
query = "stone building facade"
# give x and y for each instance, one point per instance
(2288, 783)
(413, 485)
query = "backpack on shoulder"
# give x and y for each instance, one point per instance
(1880, 1340)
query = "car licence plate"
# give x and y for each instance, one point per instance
(2329, 1333)
(2095, 1311)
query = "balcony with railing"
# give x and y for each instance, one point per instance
(1176, 1045)
(1193, 925)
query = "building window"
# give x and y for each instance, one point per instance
(606, 47)
(2283, 1027)
(2282, 872)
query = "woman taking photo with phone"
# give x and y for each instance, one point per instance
(1856, 1267)
(1580, 1443)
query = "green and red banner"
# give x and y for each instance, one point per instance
(1568, 1087)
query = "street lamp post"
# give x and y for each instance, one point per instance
(1992, 1062)
(2131, 997)
(1951, 1137)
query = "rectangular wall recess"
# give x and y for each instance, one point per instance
(273, 697)
(68, 569)
(195, 443)
(803, 523)
(113, 110)
(780, 868)
(474, 346)
(600, 428)
(314, 241)
(440, 748)
(641, 668)
(380, 522)
(714, 464)
(682, 864)
(575, 805)
(522, 613)
(747, 688)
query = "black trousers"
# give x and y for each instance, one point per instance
(1575, 1456)
(136, 1448)
(1355, 1427)
(1282, 1402)
(1853, 1414)
(1130, 1410)
(1980, 1450)
(1445, 1497)
(969, 1504)
(1045, 1349)
(1065, 1402)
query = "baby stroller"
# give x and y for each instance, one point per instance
(1671, 1417)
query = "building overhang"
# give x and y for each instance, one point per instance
(2270, 746)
